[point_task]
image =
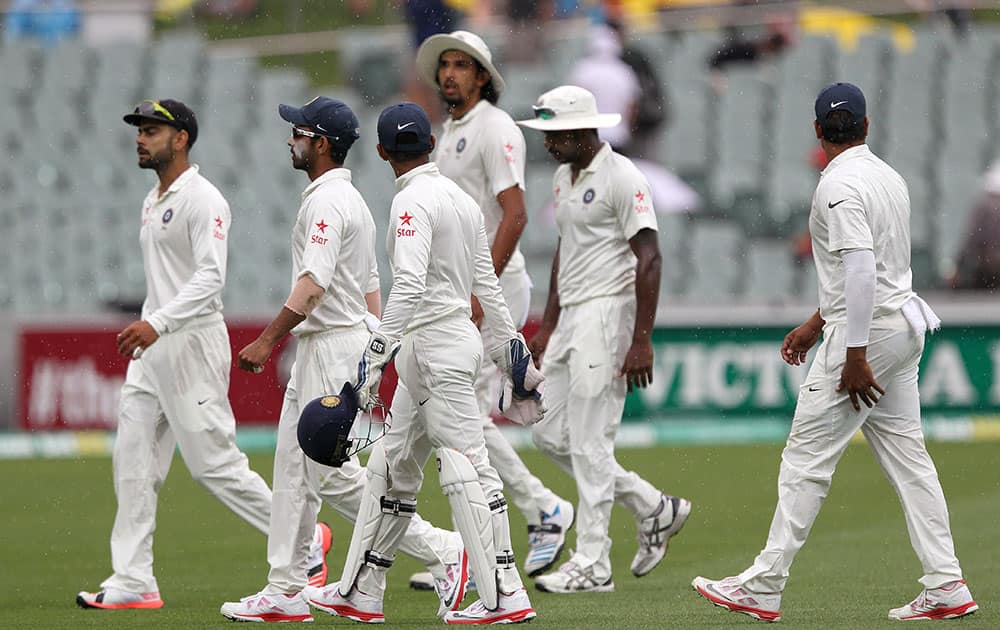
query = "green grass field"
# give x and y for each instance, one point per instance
(858, 563)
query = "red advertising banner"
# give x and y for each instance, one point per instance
(70, 377)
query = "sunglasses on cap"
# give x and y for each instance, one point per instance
(544, 113)
(153, 109)
(305, 133)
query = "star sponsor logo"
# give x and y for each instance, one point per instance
(508, 152)
(316, 238)
(404, 219)
(641, 205)
(217, 231)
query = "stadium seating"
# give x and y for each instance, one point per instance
(742, 139)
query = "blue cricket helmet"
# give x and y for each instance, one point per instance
(325, 427)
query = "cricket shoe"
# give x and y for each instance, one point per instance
(114, 599)
(451, 589)
(570, 578)
(268, 607)
(322, 541)
(950, 601)
(546, 541)
(655, 532)
(356, 606)
(513, 608)
(730, 594)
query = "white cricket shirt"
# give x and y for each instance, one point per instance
(483, 152)
(597, 215)
(333, 242)
(861, 203)
(437, 245)
(183, 239)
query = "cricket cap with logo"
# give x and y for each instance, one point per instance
(471, 44)
(404, 128)
(166, 111)
(837, 97)
(568, 107)
(327, 116)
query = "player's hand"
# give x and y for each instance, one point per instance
(538, 344)
(638, 367)
(798, 342)
(253, 356)
(477, 312)
(857, 379)
(136, 335)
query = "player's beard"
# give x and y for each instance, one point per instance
(301, 158)
(158, 160)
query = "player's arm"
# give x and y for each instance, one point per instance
(305, 296)
(859, 296)
(498, 325)
(550, 317)
(798, 342)
(638, 366)
(410, 259)
(512, 224)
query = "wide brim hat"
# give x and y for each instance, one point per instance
(471, 44)
(568, 107)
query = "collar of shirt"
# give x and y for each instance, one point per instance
(848, 154)
(469, 115)
(330, 175)
(404, 180)
(599, 159)
(181, 180)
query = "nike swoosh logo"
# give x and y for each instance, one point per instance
(402, 127)
(202, 402)
(837, 104)
(814, 389)
(834, 205)
(320, 127)
(421, 403)
(594, 365)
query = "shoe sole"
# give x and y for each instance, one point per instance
(520, 616)
(144, 605)
(756, 613)
(948, 613)
(683, 512)
(603, 588)
(555, 558)
(348, 612)
(268, 618)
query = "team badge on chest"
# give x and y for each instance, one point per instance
(169, 214)
(588, 196)
(460, 146)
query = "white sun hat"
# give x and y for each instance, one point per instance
(463, 41)
(568, 107)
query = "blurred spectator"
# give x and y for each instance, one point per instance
(739, 50)
(46, 20)
(527, 20)
(426, 18)
(978, 262)
(958, 13)
(651, 110)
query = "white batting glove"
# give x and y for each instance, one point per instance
(379, 351)
(520, 397)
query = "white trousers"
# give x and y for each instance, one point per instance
(585, 398)
(525, 490)
(177, 394)
(323, 363)
(823, 425)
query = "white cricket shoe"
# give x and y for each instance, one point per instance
(356, 606)
(546, 541)
(114, 599)
(451, 589)
(268, 607)
(513, 608)
(950, 601)
(729, 593)
(655, 532)
(570, 578)
(322, 541)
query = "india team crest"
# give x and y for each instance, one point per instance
(330, 401)
(588, 196)
(169, 214)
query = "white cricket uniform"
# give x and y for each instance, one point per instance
(177, 393)
(859, 203)
(333, 242)
(437, 243)
(584, 392)
(484, 153)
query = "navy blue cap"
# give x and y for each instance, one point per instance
(167, 111)
(841, 97)
(404, 128)
(328, 116)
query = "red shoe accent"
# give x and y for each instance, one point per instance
(278, 617)
(948, 613)
(149, 601)
(463, 580)
(763, 615)
(318, 579)
(349, 612)
(512, 617)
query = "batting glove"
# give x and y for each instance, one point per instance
(520, 400)
(378, 353)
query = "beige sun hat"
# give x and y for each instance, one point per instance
(568, 107)
(463, 41)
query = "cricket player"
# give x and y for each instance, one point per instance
(873, 328)
(482, 150)
(595, 337)
(438, 246)
(176, 388)
(335, 289)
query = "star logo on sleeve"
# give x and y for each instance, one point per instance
(508, 150)
(639, 197)
(321, 226)
(405, 218)
(218, 222)
(217, 231)
(641, 206)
